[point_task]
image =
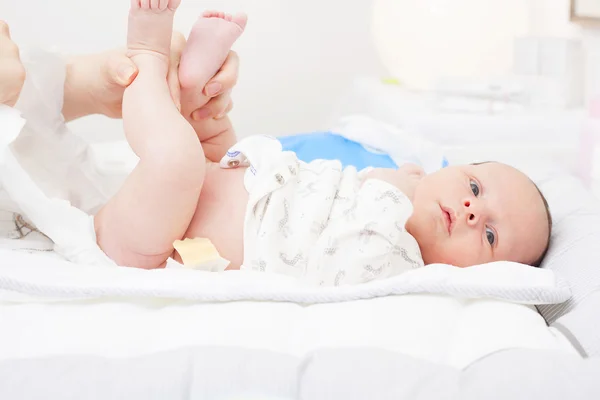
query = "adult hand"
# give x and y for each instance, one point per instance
(12, 72)
(111, 72)
(118, 71)
(219, 90)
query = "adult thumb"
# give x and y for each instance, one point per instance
(4, 29)
(121, 69)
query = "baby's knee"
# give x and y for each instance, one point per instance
(183, 161)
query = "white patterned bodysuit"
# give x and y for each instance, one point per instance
(317, 222)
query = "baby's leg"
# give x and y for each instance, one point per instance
(156, 203)
(209, 43)
(207, 48)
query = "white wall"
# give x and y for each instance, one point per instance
(297, 56)
(551, 18)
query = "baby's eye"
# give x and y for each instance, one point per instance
(491, 237)
(475, 188)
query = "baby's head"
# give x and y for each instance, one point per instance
(473, 214)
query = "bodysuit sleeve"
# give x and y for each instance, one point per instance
(367, 241)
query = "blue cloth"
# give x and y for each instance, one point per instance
(329, 146)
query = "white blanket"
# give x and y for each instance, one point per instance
(119, 312)
(37, 277)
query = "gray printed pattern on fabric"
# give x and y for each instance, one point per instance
(375, 271)
(320, 168)
(399, 226)
(390, 195)
(332, 249)
(259, 265)
(265, 208)
(308, 190)
(283, 223)
(367, 232)
(339, 277)
(292, 262)
(371, 246)
(279, 178)
(337, 196)
(350, 213)
(404, 253)
(326, 225)
(318, 227)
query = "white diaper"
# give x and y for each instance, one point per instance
(320, 223)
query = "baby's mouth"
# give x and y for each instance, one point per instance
(449, 218)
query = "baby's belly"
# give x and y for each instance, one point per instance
(220, 213)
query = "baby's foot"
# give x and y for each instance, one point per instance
(150, 28)
(208, 45)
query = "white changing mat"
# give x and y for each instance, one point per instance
(85, 311)
(25, 277)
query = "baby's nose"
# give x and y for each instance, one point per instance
(472, 219)
(472, 213)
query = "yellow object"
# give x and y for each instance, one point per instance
(391, 81)
(200, 253)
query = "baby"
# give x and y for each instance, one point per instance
(265, 210)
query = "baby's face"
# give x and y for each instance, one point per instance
(474, 214)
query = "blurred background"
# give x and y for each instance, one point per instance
(296, 57)
(305, 63)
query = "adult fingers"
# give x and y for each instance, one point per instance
(121, 70)
(218, 107)
(226, 78)
(4, 29)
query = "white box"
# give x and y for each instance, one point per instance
(553, 69)
(526, 60)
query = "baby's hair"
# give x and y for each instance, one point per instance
(538, 262)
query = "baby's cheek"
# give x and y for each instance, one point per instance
(451, 250)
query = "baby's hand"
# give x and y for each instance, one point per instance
(406, 178)
(12, 72)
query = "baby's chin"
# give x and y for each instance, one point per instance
(456, 259)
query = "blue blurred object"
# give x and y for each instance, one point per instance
(329, 146)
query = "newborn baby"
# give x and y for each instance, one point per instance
(266, 210)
